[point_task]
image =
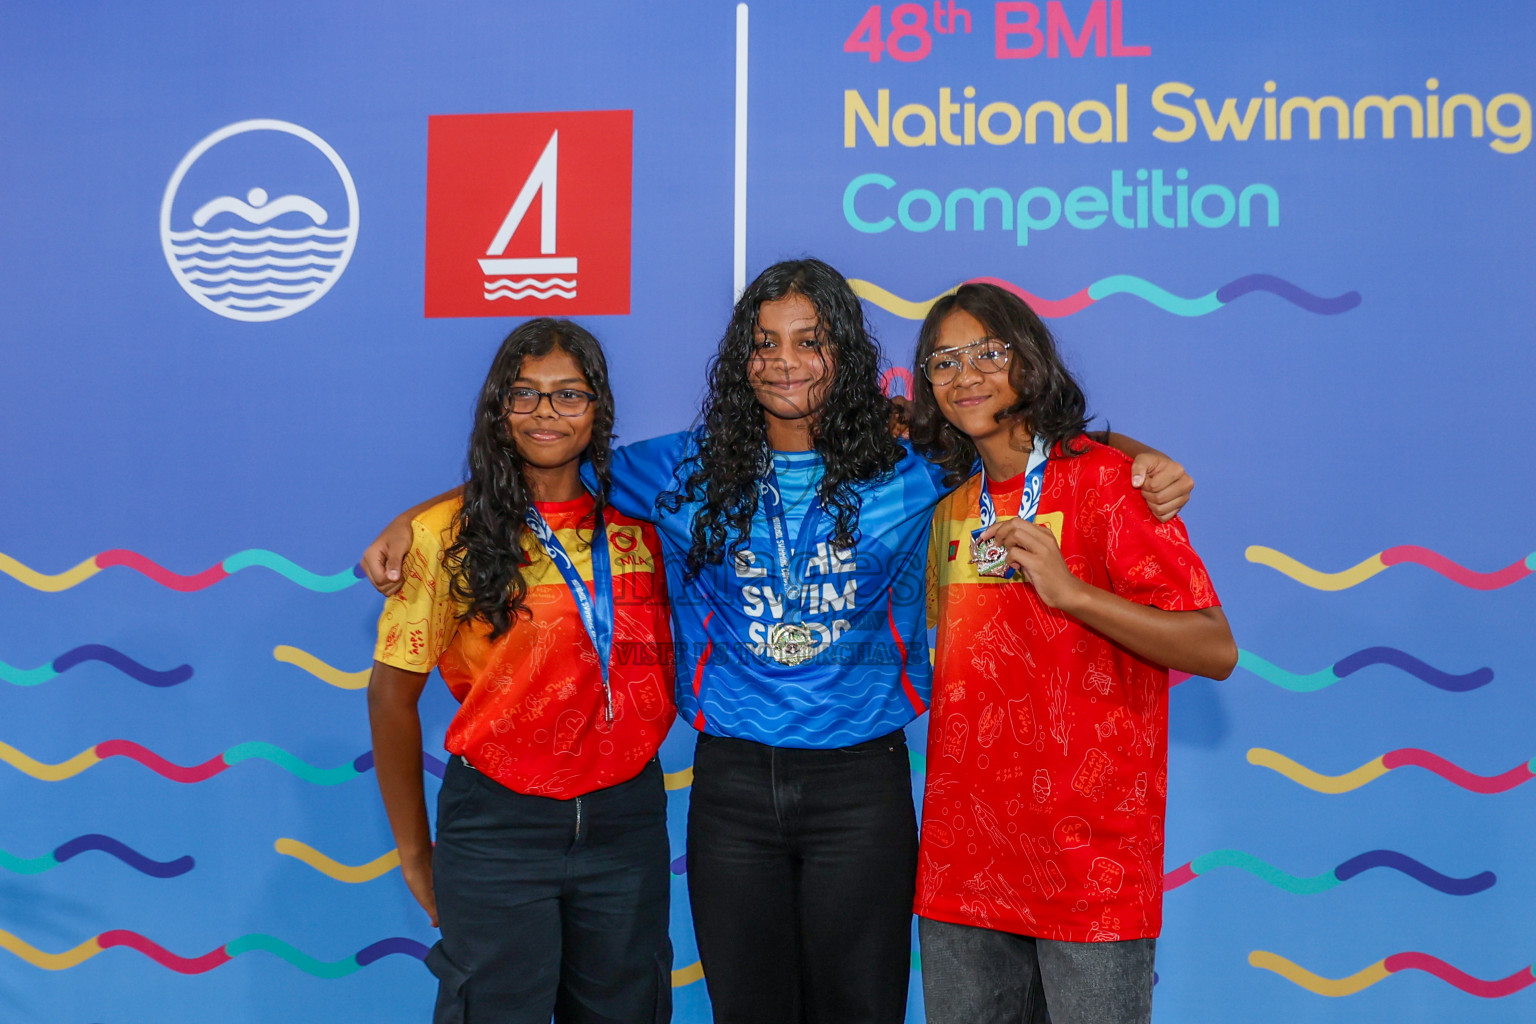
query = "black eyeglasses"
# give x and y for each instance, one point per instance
(566, 401)
(987, 356)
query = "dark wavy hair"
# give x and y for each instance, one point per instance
(1050, 401)
(851, 431)
(486, 558)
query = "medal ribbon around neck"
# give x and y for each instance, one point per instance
(596, 617)
(773, 508)
(1034, 483)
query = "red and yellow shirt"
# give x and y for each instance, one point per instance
(532, 701)
(1048, 743)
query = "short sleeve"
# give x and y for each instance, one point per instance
(1149, 562)
(419, 620)
(642, 472)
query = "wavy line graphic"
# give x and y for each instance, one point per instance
(1391, 760)
(1401, 555)
(320, 670)
(678, 779)
(215, 958)
(1364, 979)
(249, 559)
(688, 975)
(94, 652)
(354, 874)
(1124, 284)
(1350, 664)
(523, 293)
(1401, 862)
(104, 844)
(290, 763)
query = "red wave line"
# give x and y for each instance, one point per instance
(1054, 308)
(137, 562)
(155, 763)
(162, 956)
(1455, 773)
(1178, 876)
(1462, 980)
(1451, 571)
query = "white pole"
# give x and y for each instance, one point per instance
(740, 266)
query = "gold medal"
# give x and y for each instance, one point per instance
(790, 643)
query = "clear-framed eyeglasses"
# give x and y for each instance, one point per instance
(566, 401)
(987, 355)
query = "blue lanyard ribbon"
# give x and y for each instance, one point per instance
(597, 616)
(1034, 483)
(773, 507)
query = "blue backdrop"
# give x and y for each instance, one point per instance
(190, 830)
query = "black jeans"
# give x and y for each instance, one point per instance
(801, 869)
(552, 907)
(981, 976)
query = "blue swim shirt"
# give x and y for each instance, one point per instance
(871, 674)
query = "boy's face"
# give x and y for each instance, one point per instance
(969, 374)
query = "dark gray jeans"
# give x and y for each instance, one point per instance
(980, 976)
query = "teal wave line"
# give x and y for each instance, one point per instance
(254, 557)
(303, 961)
(26, 676)
(36, 866)
(1165, 300)
(1264, 870)
(1296, 683)
(290, 763)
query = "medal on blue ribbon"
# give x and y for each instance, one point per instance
(790, 642)
(990, 557)
(596, 616)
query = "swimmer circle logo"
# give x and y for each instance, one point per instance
(249, 221)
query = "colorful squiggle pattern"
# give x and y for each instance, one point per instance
(105, 844)
(1349, 665)
(320, 670)
(217, 958)
(249, 559)
(1392, 759)
(199, 772)
(1186, 873)
(1496, 989)
(353, 874)
(94, 652)
(1400, 555)
(1123, 284)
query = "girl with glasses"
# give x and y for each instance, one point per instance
(544, 608)
(794, 523)
(1061, 603)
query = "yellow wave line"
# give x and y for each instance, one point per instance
(1302, 775)
(901, 307)
(1298, 975)
(42, 581)
(320, 670)
(688, 975)
(1310, 577)
(335, 868)
(678, 780)
(50, 961)
(49, 772)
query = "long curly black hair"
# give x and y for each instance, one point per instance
(1051, 402)
(486, 558)
(851, 431)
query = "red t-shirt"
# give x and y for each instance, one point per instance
(1048, 743)
(532, 712)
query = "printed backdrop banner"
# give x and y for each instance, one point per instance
(259, 257)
